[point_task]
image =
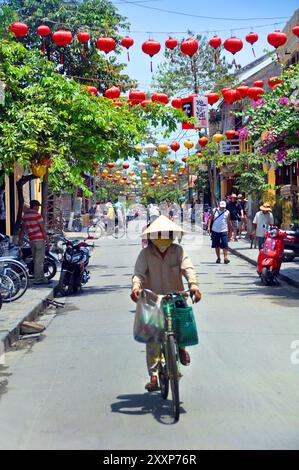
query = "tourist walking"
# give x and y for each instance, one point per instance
(33, 225)
(219, 226)
(236, 214)
(261, 222)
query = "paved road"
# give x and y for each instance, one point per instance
(82, 386)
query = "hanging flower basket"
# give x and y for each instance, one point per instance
(38, 170)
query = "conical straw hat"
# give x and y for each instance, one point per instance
(164, 225)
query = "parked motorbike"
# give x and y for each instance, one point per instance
(74, 272)
(291, 243)
(50, 267)
(271, 255)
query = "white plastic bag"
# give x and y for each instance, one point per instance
(149, 318)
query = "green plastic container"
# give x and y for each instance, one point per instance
(185, 327)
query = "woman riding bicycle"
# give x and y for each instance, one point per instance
(160, 268)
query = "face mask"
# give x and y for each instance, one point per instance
(162, 244)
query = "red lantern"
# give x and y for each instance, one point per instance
(19, 29)
(295, 30)
(277, 39)
(171, 43)
(176, 103)
(160, 98)
(110, 165)
(258, 83)
(243, 89)
(118, 103)
(184, 159)
(233, 45)
(136, 96)
(92, 90)
(62, 38)
(83, 37)
(212, 98)
(43, 31)
(274, 81)
(189, 47)
(203, 141)
(95, 164)
(106, 44)
(255, 93)
(175, 146)
(231, 95)
(155, 165)
(252, 38)
(127, 42)
(230, 134)
(151, 47)
(215, 42)
(112, 93)
(145, 104)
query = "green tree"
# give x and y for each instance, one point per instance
(48, 116)
(99, 17)
(179, 74)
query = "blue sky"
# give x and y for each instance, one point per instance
(145, 22)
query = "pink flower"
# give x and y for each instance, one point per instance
(284, 101)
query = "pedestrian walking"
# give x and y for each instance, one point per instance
(33, 224)
(236, 214)
(219, 226)
(160, 268)
(261, 222)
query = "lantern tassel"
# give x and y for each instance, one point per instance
(61, 58)
(278, 58)
(235, 63)
(216, 58)
(128, 56)
(43, 47)
(151, 66)
(51, 54)
(253, 51)
(84, 51)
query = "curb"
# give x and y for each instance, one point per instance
(285, 278)
(8, 337)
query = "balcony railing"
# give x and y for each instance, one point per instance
(230, 146)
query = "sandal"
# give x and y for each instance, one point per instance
(184, 357)
(226, 261)
(152, 386)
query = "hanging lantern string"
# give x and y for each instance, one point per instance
(100, 30)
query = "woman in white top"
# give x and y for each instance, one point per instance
(219, 226)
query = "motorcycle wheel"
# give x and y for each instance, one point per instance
(266, 277)
(65, 285)
(50, 268)
(288, 258)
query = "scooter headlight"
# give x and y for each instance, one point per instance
(273, 232)
(77, 257)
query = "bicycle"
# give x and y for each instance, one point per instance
(175, 334)
(99, 227)
(15, 278)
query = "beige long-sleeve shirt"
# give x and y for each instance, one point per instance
(163, 276)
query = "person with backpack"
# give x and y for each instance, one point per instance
(219, 226)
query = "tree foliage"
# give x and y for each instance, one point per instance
(179, 74)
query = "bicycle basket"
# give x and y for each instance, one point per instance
(185, 326)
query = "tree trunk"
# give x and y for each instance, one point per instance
(45, 197)
(22, 181)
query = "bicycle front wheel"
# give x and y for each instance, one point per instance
(95, 231)
(118, 232)
(173, 376)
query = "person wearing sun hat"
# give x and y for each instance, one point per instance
(263, 218)
(160, 267)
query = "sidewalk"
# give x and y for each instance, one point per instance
(289, 272)
(28, 307)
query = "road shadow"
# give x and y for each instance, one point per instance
(142, 404)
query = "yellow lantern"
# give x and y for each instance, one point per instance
(38, 170)
(217, 137)
(144, 179)
(138, 148)
(117, 173)
(169, 170)
(146, 184)
(188, 144)
(162, 148)
(172, 176)
(182, 168)
(105, 172)
(122, 182)
(131, 173)
(144, 173)
(134, 183)
(157, 172)
(158, 183)
(159, 178)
